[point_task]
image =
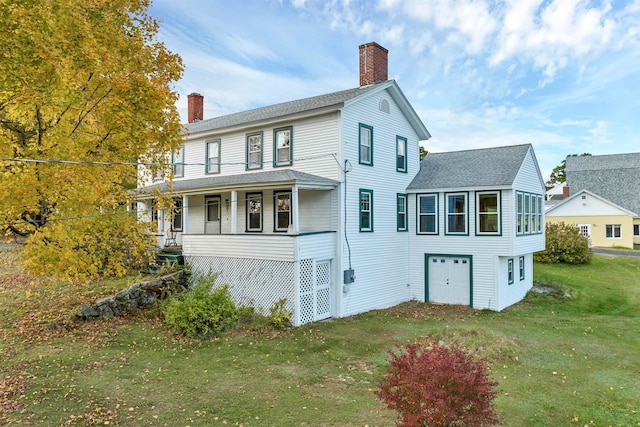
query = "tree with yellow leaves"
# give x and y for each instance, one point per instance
(89, 84)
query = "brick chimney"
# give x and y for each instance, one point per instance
(195, 107)
(565, 192)
(373, 63)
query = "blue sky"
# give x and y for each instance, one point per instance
(563, 75)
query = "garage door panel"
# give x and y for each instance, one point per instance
(449, 279)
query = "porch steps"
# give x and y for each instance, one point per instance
(171, 255)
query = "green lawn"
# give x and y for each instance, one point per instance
(559, 361)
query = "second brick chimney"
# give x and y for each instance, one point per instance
(373, 63)
(195, 107)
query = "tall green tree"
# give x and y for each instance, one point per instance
(558, 174)
(88, 82)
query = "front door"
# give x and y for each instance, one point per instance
(212, 215)
(448, 279)
(585, 230)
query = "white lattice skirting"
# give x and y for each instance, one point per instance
(252, 282)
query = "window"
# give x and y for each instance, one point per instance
(254, 150)
(366, 210)
(282, 139)
(456, 214)
(366, 145)
(510, 271)
(636, 230)
(488, 212)
(213, 156)
(427, 213)
(529, 213)
(613, 231)
(401, 211)
(177, 160)
(157, 216)
(520, 213)
(254, 212)
(282, 208)
(176, 220)
(521, 263)
(540, 211)
(213, 209)
(401, 154)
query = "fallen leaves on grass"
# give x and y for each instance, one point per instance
(11, 388)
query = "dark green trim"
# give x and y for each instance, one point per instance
(275, 210)
(275, 147)
(521, 266)
(510, 277)
(426, 274)
(535, 196)
(437, 214)
(246, 149)
(360, 126)
(247, 196)
(406, 162)
(406, 213)
(477, 219)
(370, 193)
(206, 165)
(446, 213)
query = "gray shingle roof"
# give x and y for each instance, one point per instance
(487, 167)
(273, 177)
(616, 177)
(279, 110)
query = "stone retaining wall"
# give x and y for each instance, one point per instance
(139, 295)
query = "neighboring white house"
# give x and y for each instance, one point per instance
(307, 201)
(479, 218)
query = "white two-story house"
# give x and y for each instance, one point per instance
(308, 200)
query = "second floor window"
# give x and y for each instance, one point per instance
(177, 161)
(401, 154)
(488, 212)
(254, 150)
(456, 213)
(427, 214)
(282, 139)
(366, 145)
(213, 156)
(366, 210)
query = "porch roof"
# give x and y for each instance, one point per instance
(273, 178)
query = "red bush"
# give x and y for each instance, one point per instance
(438, 386)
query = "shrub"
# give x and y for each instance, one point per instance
(564, 244)
(279, 314)
(202, 311)
(438, 386)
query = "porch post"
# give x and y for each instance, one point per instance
(234, 212)
(294, 207)
(185, 215)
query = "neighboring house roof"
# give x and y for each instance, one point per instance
(334, 100)
(488, 167)
(557, 190)
(614, 176)
(569, 200)
(254, 179)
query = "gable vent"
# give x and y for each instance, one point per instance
(384, 106)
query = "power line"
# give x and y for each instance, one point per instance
(156, 164)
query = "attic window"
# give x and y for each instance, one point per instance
(584, 197)
(384, 106)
